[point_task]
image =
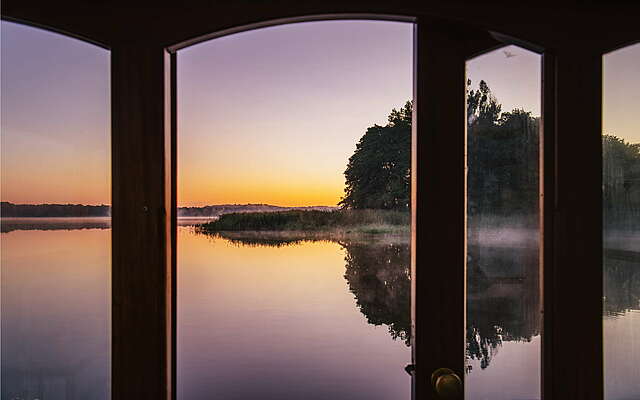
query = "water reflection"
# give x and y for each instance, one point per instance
(621, 281)
(278, 312)
(377, 271)
(503, 298)
(55, 337)
(53, 224)
(379, 275)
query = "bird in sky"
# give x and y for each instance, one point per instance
(508, 54)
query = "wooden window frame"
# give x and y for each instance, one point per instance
(143, 95)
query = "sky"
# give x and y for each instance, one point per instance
(621, 93)
(515, 81)
(272, 115)
(55, 118)
(264, 116)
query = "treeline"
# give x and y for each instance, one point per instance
(9, 210)
(502, 157)
(503, 165)
(621, 183)
(502, 161)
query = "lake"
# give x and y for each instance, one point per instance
(280, 319)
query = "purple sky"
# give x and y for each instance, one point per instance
(270, 115)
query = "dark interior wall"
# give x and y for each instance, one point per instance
(167, 25)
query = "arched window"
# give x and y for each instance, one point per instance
(56, 237)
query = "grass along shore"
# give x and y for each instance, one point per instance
(318, 223)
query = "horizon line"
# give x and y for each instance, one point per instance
(179, 206)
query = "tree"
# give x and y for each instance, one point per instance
(379, 277)
(502, 159)
(621, 182)
(482, 107)
(503, 163)
(378, 174)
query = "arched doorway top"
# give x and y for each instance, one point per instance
(292, 20)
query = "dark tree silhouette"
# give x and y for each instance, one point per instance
(378, 174)
(502, 157)
(53, 210)
(379, 277)
(621, 183)
(621, 281)
(503, 160)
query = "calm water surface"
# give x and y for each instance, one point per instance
(56, 307)
(310, 319)
(281, 322)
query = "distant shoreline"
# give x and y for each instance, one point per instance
(11, 210)
(8, 209)
(10, 224)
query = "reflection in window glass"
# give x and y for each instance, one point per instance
(621, 210)
(281, 295)
(55, 240)
(503, 296)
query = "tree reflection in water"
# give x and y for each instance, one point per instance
(503, 299)
(621, 281)
(379, 276)
(503, 296)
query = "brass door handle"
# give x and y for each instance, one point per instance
(446, 383)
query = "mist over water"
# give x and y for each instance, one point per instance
(622, 240)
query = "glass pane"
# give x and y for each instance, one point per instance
(55, 240)
(281, 293)
(621, 209)
(503, 278)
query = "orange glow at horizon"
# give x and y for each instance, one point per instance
(56, 173)
(292, 193)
